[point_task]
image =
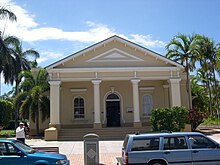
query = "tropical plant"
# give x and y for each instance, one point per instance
(196, 118)
(180, 49)
(5, 58)
(32, 99)
(6, 108)
(7, 14)
(206, 52)
(200, 100)
(170, 119)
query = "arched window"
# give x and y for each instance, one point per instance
(78, 105)
(147, 105)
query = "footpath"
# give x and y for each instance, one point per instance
(108, 150)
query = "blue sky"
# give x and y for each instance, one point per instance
(58, 28)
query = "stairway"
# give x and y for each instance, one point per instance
(110, 133)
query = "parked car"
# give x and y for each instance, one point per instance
(179, 148)
(13, 152)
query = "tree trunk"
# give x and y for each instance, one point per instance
(188, 88)
(37, 121)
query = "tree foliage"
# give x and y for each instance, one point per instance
(170, 119)
(32, 99)
(6, 109)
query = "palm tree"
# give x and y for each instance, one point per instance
(18, 61)
(32, 99)
(21, 60)
(7, 59)
(7, 14)
(4, 50)
(180, 49)
(206, 51)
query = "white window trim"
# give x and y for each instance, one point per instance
(73, 107)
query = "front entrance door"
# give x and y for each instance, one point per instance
(113, 111)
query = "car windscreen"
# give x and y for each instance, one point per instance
(25, 147)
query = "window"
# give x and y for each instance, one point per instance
(147, 105)
(145, 144)
(200, 142)
(8, 149)
(174, 143)
(79, 108)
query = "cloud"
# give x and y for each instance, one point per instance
(147, 40)
(27, 29)
(45, 56)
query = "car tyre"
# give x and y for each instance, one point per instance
(157, 162)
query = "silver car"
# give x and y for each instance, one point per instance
(179, 148)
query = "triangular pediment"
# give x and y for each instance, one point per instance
(114, 52)
(114, 55)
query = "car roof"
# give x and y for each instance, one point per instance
(7, 140)
(164, 134)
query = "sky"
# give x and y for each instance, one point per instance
(59, 28)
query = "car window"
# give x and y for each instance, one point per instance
(2, 148)
(11, 150)
(175, 143)
(144, 144)
(201, 142)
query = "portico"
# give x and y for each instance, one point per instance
(115, 83)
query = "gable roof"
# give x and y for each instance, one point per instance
(118, 39)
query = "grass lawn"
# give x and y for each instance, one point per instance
(7, 134)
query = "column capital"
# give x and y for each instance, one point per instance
(165, 86)
(54, 82)
(174, 81)
(96, 82)
(135, 81)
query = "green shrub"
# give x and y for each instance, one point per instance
(7, 134)
(170, 119)
(5, 112)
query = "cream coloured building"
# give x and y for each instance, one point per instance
(113, 84)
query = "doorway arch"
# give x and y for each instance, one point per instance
(113, 110)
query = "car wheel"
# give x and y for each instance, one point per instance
(157, 162)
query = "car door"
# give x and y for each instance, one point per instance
(10, 155)
(176, 150)
(204, 150)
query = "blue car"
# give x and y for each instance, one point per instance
(13, 152)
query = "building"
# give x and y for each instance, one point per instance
(114, 83)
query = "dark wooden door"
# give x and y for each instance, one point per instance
(113, 113)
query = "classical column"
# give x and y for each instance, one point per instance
(97, 121)
(55, 103)
(166, 96)
(137, 122)
(175, 99)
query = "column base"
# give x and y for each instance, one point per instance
(57, 126)
(51, 134)
(97, 125)
(137, 124)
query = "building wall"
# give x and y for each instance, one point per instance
(122, 88)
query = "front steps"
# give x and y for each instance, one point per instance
(110, 133)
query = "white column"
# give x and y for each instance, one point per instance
(136, 100)
(97, 121)
(166, 96)
(54, 102)
(175, 99)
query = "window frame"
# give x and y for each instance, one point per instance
(148, 111)
(149, 146)
(75, 116)
(175, 146)
(201, 147)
